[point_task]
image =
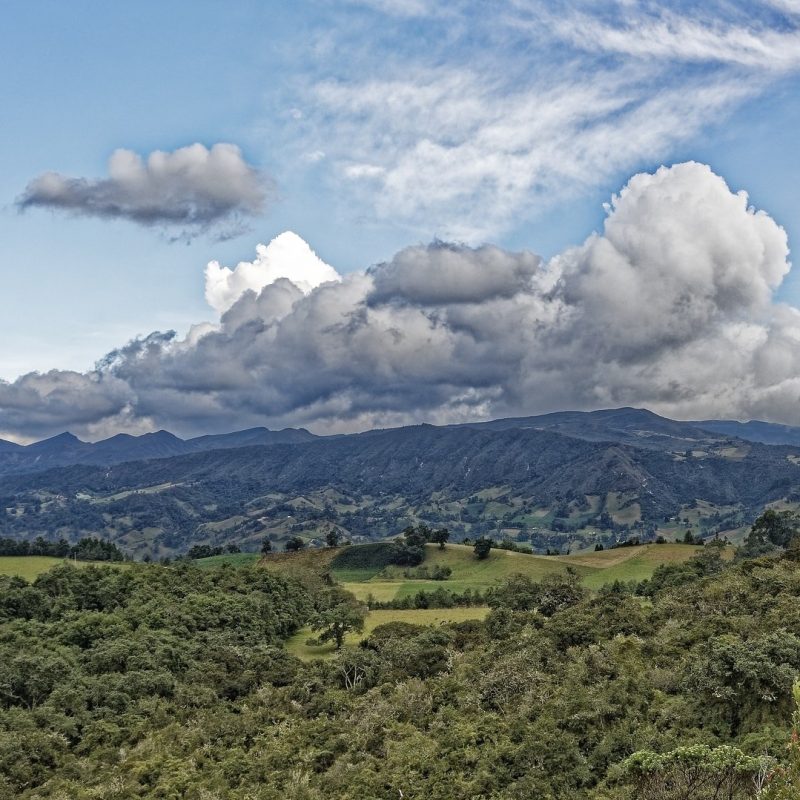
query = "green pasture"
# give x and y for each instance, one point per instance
(234, 559)
(594, 568)
(30, 567)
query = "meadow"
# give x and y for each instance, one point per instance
(383, 583)
(30, 567)
(595, 569)
(234, 559)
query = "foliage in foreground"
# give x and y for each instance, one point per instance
(170, 682)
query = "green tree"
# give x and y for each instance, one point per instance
(266, 545)
(482, 548)
(560, 592)
(783, 783)
(333, 537)
(696, 772)
(294, 544)
(440, 536)
(417, 537)
(341, 613)
(772, 529)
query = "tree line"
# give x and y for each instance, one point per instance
(86, 549)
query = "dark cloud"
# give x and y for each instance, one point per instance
(189, 191)
(443, 273)
(670, 307)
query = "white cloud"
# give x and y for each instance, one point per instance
(456, 154)
(190, 190)
(671, 307)
(670, 36)
(286, 256)
(402, 8)
(502, 112)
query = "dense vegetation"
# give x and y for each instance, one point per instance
(94, 661)
(85, 549)
(171, 682)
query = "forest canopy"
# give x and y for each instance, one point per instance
(173, 681)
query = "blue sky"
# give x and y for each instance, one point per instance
(377, 125)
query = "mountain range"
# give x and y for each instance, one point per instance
(557, 477)
(631, 426)
(66, 449)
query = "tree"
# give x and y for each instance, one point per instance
(332, 537)
(772, 529)
(340, 614)
(696, 772)
(519, 593)
(417, 537)
(482, 547)
(560, 592)
(440, 536)
(266, 545)
(294, 544)
(784, 782)
(405, 556)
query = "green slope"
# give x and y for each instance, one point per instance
(30, 567)
(595, 569)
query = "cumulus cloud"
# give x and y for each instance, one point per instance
(190, 190)
(670, 306)
(40, 404)
(286, 256)
(445, 273)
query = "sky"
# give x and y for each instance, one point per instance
(490, 212)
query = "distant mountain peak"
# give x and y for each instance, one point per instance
(65, 440)
(161, 435)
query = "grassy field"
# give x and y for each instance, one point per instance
(594, 568)
(428, 616)
(234, 559)
(30, 567)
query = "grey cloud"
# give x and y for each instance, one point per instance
(670, 307)
(40, 404)
(446, 273)
(190, 190)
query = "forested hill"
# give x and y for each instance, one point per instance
(635, 427)
(174, 682)
(605, 474)
(418, 460)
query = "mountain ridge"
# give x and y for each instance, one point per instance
(65, 449)
(573, 474)
(638, 427)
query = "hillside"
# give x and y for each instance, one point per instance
(562, 481)
(595, 569)
(67, 450)
(185, 682)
